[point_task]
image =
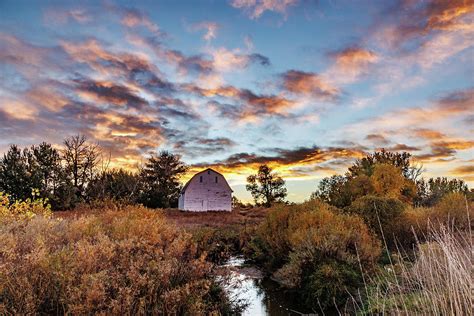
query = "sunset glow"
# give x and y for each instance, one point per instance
(304, 86)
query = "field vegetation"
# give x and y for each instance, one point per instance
(378, 239)
(126, 260)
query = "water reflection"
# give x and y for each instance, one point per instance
(262, 295)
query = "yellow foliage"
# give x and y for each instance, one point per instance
(24, 209)
(452, 210)
(387, 180)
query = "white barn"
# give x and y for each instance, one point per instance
(207, 190)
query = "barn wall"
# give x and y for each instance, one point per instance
(208, 195)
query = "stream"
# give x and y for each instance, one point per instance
(261, 295)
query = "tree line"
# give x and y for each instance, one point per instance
(384, 173)
(79, 172)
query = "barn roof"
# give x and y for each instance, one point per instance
(189, 181)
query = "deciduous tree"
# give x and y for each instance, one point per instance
(266, 186)
(81, 161)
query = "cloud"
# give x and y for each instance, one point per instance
(402, 147)
(18, 109)
(350, 63)
(198, 147)
(227, 60)
(426, 133)
(209, 27)
(133, 18)
(255, 8)
(376, 138)
(63, 16)
(422, 19)
(297, 162)
(427, 127)
(251, 107)
(307, 83)
(108, 92)
(466, 170)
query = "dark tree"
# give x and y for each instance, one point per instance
(333, 190)
(15, 173)
(45, 162)
(118, 185)
(266, 186)
(81, 161)
(160, 177)
(431, 191)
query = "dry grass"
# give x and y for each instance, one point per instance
(238, 217)
(127, 261)
(438, 282)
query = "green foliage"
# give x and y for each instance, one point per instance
(40, 167)
(160, 176)
(368, 178)
(332, 190)
(266, 187)
(72, 176)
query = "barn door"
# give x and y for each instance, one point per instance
(204, 205)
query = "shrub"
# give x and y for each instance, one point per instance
(129, 261)
(269, 243)
(27, 209)
(453, 209)
(320, 251)
(381, 214)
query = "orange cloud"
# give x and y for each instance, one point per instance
(307, 83)
(302, 162)
(427, 133)
(253, 105)
(350, 63)
(227, 60)
(18, 109)
(47, 96)
(466, 172)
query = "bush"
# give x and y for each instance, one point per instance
(452, 210)
(129, 261)
(320, 251)
(381, 214)
(23, 209)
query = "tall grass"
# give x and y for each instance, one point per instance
(437, 282)
(127, 261)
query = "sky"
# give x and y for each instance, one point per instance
(304, 86)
